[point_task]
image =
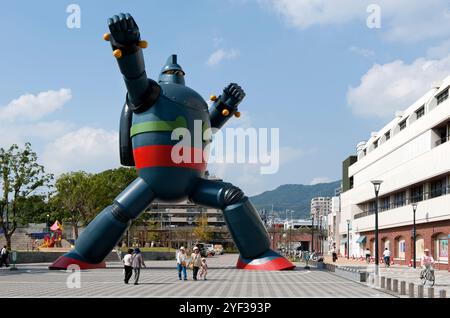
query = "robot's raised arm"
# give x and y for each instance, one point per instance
(127, 47)
(226, 105)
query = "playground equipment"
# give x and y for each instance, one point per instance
(54, 238)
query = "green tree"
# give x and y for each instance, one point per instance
(80, 196)
(21, 177)
(73, 200)
(202, 232)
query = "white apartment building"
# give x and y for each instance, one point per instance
(411, 155)
(320, 209)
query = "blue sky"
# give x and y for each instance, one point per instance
(316, 71)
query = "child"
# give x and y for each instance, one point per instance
(203, 269)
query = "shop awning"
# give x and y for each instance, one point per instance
(361, 239)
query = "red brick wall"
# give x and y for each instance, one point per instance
(427, 230)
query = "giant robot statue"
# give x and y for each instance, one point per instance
(151, 113)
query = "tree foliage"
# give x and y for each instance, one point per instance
(21, 177)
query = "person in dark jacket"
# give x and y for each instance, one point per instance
(138, 262)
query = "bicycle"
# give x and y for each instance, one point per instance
(427, 275)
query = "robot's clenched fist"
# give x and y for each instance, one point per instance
(151, 114)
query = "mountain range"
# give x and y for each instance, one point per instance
(296, 197)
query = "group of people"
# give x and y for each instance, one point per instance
(133, 261)
(197, 263)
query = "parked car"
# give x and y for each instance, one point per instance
(206, 249)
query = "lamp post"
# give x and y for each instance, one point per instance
(376, 186)
(414, 234)
(348, 239)
(170, 229)
(47, 229)
(312, 233)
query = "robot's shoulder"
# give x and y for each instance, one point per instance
(183, 95)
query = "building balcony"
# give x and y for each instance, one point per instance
(434, 207)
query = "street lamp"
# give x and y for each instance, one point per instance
(376, 186)
(312, 233)
(47, 229)
(170, 229)
(414, 234)
(348, 239)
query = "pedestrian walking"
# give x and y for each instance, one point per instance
(127, 265)
(334, 254)
(367, 255)
(203, 269)
(4, 256)
(387, 257)
(182, 263)
(196, 262)
(137, 263)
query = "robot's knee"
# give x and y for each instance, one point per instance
(119, 213)
(232, 195)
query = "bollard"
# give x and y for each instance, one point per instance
(442, 293)
(383, 282)
(402, 287)
(389, 283)
(395, 285)
(420, 291)
(430, 292)
(411, 290)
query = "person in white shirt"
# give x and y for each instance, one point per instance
(387, 257)
(367, 255)
(4, 257)
(182, 263)
(127, 264)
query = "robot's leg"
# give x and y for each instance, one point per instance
(103, 233)
(244, 224)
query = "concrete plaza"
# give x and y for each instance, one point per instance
(160, 279)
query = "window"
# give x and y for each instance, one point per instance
(388, 135)
(437, 188)
(400, 199)
(417, 194)
(401, 248)
(442, 96)
(375, 144)
(402, 124)
(441, 248)
(384, 204)
(420, 112)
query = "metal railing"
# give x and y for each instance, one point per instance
(407, 201)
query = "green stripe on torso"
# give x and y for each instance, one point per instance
(162, 125)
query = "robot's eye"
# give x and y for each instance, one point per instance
(179, 73)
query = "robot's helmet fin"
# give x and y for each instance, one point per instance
(172, 71)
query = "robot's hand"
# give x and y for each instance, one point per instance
(232, 95)
(124, 34)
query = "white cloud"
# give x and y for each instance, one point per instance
(394, 86)
(401, 20)
(34, 107)
(362, 51)
(88, 149)
(221, 54)
(318, 180)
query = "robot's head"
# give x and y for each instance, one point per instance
(172, 72)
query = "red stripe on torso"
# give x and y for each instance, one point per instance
(161, 156)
